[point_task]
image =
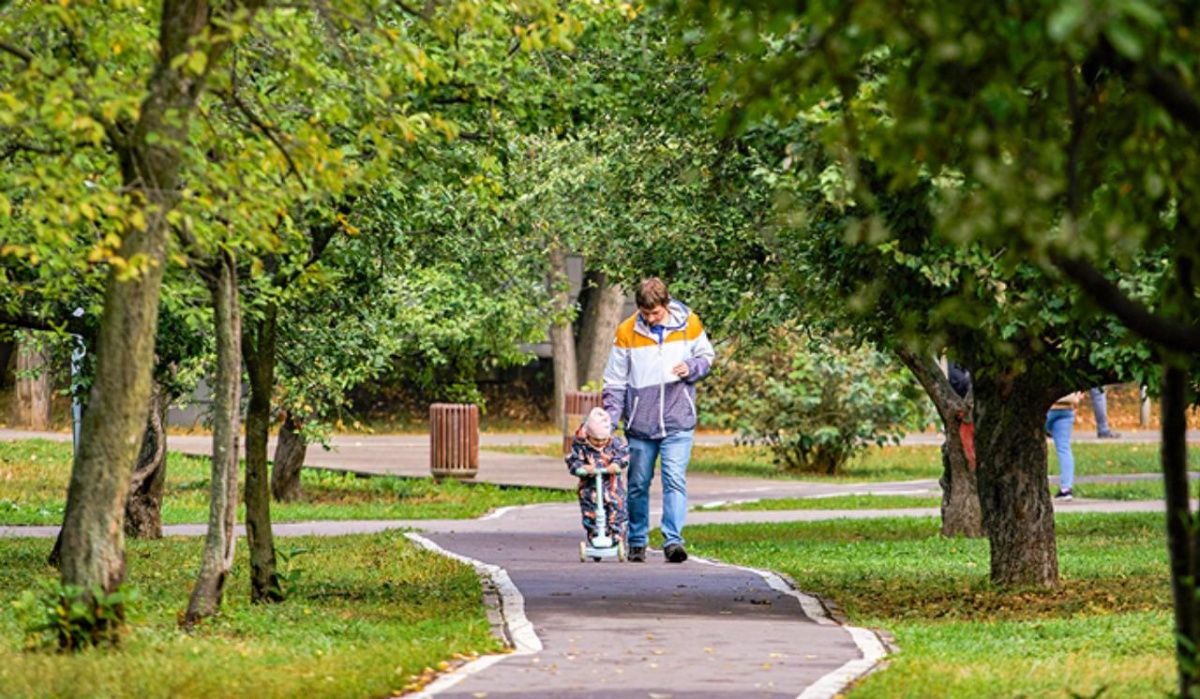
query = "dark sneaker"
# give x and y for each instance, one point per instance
(1108, 435)
(1063, 495)
(675, 553)
(637, 554)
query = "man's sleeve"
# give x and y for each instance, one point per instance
(622, 455)
(700, 361)
(616, 381)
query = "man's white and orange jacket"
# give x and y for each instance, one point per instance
(639, 386)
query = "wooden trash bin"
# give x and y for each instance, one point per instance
(577, 405)
(453, 440)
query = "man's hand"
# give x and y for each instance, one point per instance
(681, 370)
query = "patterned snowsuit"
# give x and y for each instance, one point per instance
(584, 455)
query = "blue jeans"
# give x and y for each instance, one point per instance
(1100, 409)
(1060, 424)
(676, 451)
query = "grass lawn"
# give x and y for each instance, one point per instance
(1109, 627)
(839, 502)
(1133, 490)
(34, 475)
(899, 463)
(367, 613)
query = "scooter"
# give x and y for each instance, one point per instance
(602, 545)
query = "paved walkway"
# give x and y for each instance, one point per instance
(699, 629)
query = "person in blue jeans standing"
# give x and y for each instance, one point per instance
(659, 354)
(1100, 410)
(1060, 424)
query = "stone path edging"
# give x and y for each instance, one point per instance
(836, 682)
(517, 631)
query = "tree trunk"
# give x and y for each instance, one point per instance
(259, 349)
(143, 505)
(6, 352)
(562, 341)
(222, 511)
(962, 515)
(33, 384)
(1013, 485)
(601, 314)
(1180, 524)
(961, 512)
(150, 153)
(93, 545)
(290, 451)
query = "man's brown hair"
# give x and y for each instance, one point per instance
(651, 293)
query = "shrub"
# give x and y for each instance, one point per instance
(69, 618)
(816, 402)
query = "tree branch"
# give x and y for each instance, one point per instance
(1132, 313)
(1179, 102)
(269, 133)
(17, 51)
(947, 401)
(13, 148)
(27, 321)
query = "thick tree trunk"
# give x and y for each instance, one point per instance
(601, 314)
(1013, 486)
(33, 385)
(562, 341)
(259, 349)
(143, 505)
(1181, 538)
(93, 545)
(290, 450)
(962, 515)
(222, 511)
(961, 512)
(150, 153)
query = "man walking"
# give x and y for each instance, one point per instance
(659, 354)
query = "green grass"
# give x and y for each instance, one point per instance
(898, 463)
(34, 476)
(1133, 490)
(1109, 626)
(368, 613)
(839, 502)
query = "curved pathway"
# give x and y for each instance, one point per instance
(609, 629)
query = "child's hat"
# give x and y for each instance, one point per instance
(598, 425)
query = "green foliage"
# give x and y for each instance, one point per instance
(68, 618)
(288, 572)
(814, 402)
(1034, 129)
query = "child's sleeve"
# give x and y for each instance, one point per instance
(576, 460)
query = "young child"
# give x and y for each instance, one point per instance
(596, 448)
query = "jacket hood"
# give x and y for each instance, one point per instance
(677, 318)
(581, 437)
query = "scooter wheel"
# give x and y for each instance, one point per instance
(596, 559)
(582, 552)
